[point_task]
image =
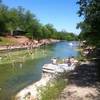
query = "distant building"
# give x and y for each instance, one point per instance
(18, 31)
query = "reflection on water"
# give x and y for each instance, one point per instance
(17, 75)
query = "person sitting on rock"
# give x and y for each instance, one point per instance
(72, 59)
(69, 61)
(54, 61)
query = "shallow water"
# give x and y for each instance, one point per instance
(15, 76)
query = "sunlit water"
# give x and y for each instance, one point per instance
(15, 76)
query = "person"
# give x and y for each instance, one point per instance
(69, 61)
(65, 60)
(72, 59)
(54, 61)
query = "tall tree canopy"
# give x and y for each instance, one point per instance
(20, 19)
(90, 10)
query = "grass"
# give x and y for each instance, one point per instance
(6, 41)
(52, 90)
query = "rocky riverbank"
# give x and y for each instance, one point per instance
(83, 82)
(32, 92)
(25, 43)
(50, 72)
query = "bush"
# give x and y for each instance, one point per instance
(53, 89)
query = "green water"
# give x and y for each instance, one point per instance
(24, 68)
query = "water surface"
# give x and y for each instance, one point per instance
(15, 76)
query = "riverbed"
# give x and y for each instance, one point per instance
(15, 76)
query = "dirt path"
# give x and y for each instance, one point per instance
(73, 92)
(83, 84)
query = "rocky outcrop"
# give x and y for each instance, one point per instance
(50, 72)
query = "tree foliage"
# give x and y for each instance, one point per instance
(19, 19)
(90, 10)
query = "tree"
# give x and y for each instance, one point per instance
(51, 30)
(21, 20)
(90, 10)
(12, 22)
(3, 17)
(45, 32)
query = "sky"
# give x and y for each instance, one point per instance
(61, 13)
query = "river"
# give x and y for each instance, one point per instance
(14, 78)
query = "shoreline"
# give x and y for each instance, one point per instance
(33, 91)
(28, 45)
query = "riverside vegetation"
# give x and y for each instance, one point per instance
(19, 21)
(52, 90)
(90, 27)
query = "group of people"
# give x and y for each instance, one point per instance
(70, 61)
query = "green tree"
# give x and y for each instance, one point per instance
(90, 10)
(45, 32)
(19, 19)
(51, 30)
(12, 22)
(3, 17)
